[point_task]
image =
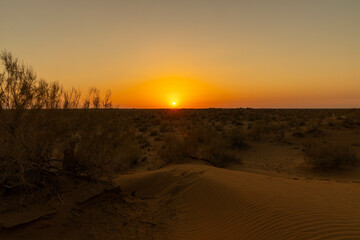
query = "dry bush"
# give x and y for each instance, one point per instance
(237, 138)
(28, 143)
(258, 130)
(36, 139)
(349, 122)
(28, 135)
(154, 133)
(279, 130)
(299, 133)
(177, 149)
(93, 99)
(203, 143)
(166, 127)
(71, 98)
(313, 128)
(107, 103)
(220, 155)
(100, 147)
(54, 96)
(323, 155)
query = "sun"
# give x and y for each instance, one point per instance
(173, 104)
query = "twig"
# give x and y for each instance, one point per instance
(60, 199)
(73, 212)
(203, 159)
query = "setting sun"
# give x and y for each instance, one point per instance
(172, 92)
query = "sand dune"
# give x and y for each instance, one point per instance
(213, 203)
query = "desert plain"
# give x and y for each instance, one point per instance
(187, 174)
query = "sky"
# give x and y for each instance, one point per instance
(196, 53)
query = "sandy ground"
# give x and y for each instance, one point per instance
(85, 210)
(213, 203)
(195, 201)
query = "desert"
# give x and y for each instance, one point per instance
(179, 120)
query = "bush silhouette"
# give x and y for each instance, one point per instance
(36, 136)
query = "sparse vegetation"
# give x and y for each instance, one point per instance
(203, 143)
(324, 155)
(237, 138)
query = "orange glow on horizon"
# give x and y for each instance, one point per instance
(172, 91)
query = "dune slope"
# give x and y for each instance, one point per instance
(213, 203)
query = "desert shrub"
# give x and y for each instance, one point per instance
(99, 146)
(28, 144)
(166, 127)
(237, 138)
(279, 132)
(331, 122)
(107, 102)
(219, 127)
(313, 128)
(154, 133)
(220, 156)
(323, 155)
(349, 122)
(299, 133)
(177, 149)
(71, 98)
(237, 123)
(258, 130)
(143, 128)
(28, 136)
(143, 141)
(38, 139)
(203, 143)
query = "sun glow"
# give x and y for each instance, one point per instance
(171, 92)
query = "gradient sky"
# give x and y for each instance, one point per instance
(199, 53)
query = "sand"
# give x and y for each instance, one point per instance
(214, 203)
(195, 201)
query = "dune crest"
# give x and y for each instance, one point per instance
(213, 203)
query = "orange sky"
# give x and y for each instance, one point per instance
(199, 53)
(164, 92)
